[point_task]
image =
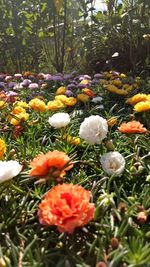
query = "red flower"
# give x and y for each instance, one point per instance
(66, 206)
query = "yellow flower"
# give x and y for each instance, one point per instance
(142, 106)
(61, 98)
(18, 110)
(84, 82)
(2, 148)
(76, 141)
(114, 89)
(54, 105)
(68, 101)
(22, 116)
(136, 99)
(72, 140)
(71, 101)
(117, 82)
(22, 104)
(2, 104)
(61, 90)
(83, 98)
(148, 97)
(37, 104)
(67, 138)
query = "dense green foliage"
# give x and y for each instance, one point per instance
(52, 35)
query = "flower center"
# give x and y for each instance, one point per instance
(113, 165)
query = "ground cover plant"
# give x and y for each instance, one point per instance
(74, 170)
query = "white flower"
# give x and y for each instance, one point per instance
(59, 120)
(97, 99)
(9, 169)
(93, 129)
(113, 163)
(33, 86)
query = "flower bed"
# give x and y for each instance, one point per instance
(75, 170)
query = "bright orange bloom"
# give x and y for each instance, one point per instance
(52, 165)
(88, 92)
(132, 127)
(66, 206)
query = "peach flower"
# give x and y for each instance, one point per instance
(66, 206)
(132, 127)
(52, 165)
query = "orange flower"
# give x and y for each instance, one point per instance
(52, 165)
(66, 206)
(132, 127)
(88, 92)
(27, 74)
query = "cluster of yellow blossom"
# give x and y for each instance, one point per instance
(61, 90)
(19, 113)
(37, 104)
(117, 83)
(113, 89)
(141, 102)
(2, 148)
(61, 101)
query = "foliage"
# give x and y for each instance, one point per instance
(61, 35)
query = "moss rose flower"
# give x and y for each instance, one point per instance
(53, 164)
(93, 129)
(113, 163)
(9, 169)
(132, 127)
(66, 206)
(59, 120)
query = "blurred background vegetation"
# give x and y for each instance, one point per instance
(66, 35)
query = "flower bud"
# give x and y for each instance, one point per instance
(109, 145)
(112, 121)
(133, 170)
(12, 153)
(114, 242)
(141, 217)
